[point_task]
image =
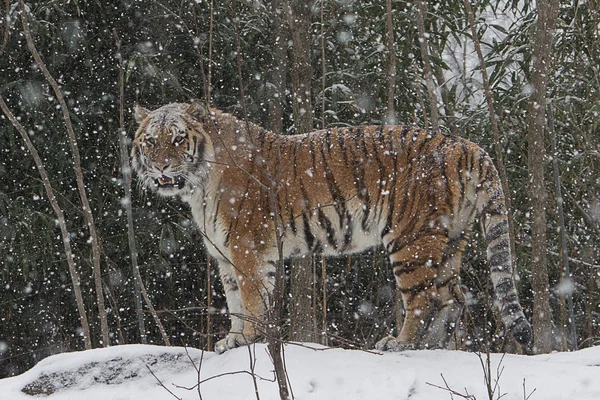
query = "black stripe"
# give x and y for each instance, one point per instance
(342, 147)
(328, 141)
(313, 155)
(503, 287)
(326, 223)
(416, 289)
(309, 238)
(496, 231)
(499, 259)
(500, 246)
(392, 192)
(381, 168)
(348, 233)
(511, 309)
(336, 194)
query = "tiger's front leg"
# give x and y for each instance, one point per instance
(248, 295)
(234, 305)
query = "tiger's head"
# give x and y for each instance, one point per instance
(171, 150)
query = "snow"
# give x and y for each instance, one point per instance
(316, 372)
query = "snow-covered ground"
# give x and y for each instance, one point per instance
(126, 372)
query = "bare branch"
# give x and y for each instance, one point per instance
(60, 218)
(452, 391)
(162, 384)
(78, 175)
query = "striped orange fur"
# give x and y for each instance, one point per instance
(338, 191)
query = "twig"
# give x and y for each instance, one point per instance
(525, 396)
(197, 368)
(252, 357)
(451, 391)
(162, 384)
(221, 376)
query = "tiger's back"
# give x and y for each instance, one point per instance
(341, 191)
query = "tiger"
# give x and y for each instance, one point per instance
(258, 197)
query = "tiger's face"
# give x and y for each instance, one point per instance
(170, 151)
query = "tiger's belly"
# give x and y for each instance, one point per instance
(331, 233)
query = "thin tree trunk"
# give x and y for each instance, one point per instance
(299, 22)
(323, 260)
(60, 217)
(5, 27)
(280, 65)
(536, 122)
(126, 203)
(209, 345)
(302, 314)
(273, 328)
(567, 283)
(391, 118)
(87, 210)
(421, 102)
(421, 10)
(591, 303)
(495, 133)
(208, 89)
(438, 71)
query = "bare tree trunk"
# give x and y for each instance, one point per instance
(60, 217)
(450, 119)
(273, 328)
(421, 10)
(87, 210)
(536, 122)
(566, 281)
(495, 133)
(5, 27)
(278, 77)
(126, 203)
(391, 118)
(209, 344)
(302, 314)
(323, 69)
(299, 21)
(592, 291)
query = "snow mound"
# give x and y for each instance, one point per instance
(316, 372)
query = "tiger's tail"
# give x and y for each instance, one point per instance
(494, 219)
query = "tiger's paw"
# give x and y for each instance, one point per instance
(391, 343)
(233, 340)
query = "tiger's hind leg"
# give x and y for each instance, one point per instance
(416, 267)
(449, 305)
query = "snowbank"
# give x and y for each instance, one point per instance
(134, 372)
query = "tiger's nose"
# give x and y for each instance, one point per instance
(162, 166)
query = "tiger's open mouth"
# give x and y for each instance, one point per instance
(169, 182)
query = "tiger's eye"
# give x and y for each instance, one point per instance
(150, 140)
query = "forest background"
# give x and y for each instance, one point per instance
(290, 66)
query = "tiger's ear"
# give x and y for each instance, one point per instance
(197, 110)
(140, 113)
